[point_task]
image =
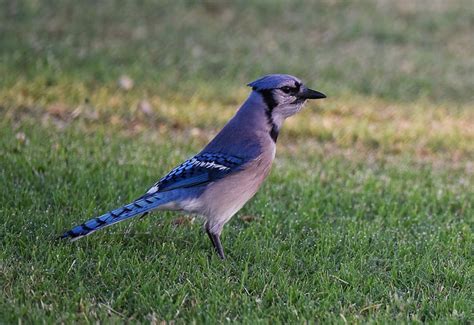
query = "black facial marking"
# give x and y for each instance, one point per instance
(291, 90)
(271, 104)
(269, 99)
(274, 133)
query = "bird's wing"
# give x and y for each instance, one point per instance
(199, 170)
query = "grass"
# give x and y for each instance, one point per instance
(394, 50)
(367, 215)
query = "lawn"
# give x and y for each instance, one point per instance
(367, 215)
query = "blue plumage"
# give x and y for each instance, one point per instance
(273, 81)
(139, 206)
(197, 171)
(217, 182)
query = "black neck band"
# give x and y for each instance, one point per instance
(271, 104)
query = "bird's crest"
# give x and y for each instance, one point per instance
(273, 81)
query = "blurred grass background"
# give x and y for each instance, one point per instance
(399, 74)
(401, 50)
(368, 212)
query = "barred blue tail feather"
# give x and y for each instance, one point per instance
(140, 206)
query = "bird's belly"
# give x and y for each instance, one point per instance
(222, 199)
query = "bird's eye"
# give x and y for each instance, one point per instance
(286, 89)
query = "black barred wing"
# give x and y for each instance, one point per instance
(199, 170)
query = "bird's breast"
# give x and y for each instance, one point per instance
(226, 196)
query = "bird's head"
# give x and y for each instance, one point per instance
(284, 95)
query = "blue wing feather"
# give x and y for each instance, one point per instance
(199, 170)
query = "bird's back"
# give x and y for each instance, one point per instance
(247, 133)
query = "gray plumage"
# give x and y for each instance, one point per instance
(218, 181)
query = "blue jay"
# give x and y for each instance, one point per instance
(219, 180)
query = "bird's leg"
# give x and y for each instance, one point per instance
(216, 241)
(218, 245)
(208, 232)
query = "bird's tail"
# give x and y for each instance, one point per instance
(142, 205)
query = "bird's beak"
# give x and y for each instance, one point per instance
(307, 93)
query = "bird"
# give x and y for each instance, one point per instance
(217, 182)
